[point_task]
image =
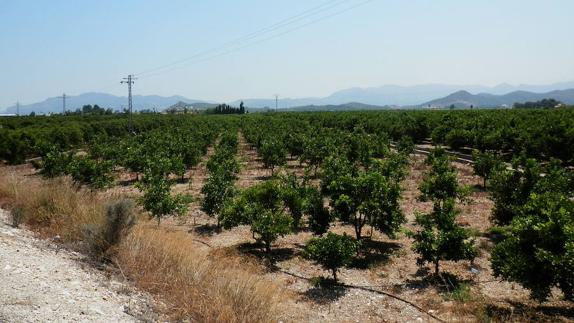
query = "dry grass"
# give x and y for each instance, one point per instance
(197, 283)
(192, 282)
(53, 207)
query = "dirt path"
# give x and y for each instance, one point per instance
(39, 283)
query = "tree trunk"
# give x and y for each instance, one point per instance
(268, 248)
(436, 266)
(334, 274)
(357, 231)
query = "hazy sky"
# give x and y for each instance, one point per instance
(50, 47)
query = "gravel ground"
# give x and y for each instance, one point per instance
(39, 283)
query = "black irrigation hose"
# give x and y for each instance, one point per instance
(420, 309)
(365, 288)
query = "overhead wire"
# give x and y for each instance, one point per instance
(265, 30)
(235, 49)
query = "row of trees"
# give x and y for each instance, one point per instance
(349, 163)
(540, 134)
(533, 201)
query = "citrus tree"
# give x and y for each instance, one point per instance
(332, 251)
(541, 238)
(440, 237)
(362, 196)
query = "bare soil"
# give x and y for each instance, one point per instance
(39, 282)
(386, 267)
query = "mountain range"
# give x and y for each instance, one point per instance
(387, 96)
(104, 100)
(464, 99)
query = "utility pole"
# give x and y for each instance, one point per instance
(63, 97)
(18, 108)
(129, 81)
(276, 101)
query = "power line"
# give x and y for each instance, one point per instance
(251, 39)
(282, 23)
(312, 22)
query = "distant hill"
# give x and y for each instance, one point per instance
(464, 99)
(396, 95)
(379, 97)
(351, 106)
(140, 102)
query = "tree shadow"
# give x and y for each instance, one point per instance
(275, 255)
(527, 312)
(205, 229)
(262, 177)
(324, 291)
(127, 182)
(444, 282)
(478, 188)
(373, 253)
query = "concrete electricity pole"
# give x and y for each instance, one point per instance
(129, 81)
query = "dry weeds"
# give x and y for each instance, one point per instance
(191, 282)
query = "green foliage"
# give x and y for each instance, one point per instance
(261, 207)
(406, 145)
(273, 153)
(542, 104)
(510, 188)
(360, 196)
(539, 252)
(485, 163)
(269, 225)
(332, 251)
(317, 148)
(461, 293)
(55, 163)
(94, 173)
(157, 198)
(440, 237)
(441, 183)
(216, 191)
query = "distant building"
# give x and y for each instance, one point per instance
(3, 115)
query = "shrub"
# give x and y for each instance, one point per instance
(332, 251)
(119, 218)
(18, 216)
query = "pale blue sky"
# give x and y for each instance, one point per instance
(50, 47)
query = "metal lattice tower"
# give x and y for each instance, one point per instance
(63, 97)
(129, 81)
